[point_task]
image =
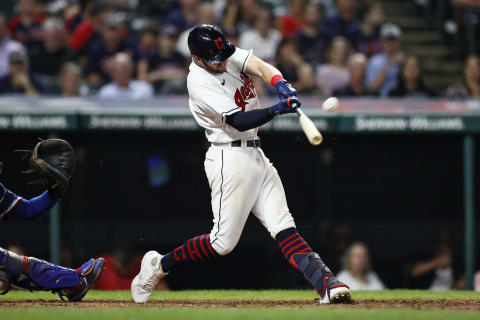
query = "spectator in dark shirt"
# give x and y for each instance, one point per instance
(293, 67)
(48, 58)
(185, 16)
(310, 42)
(20, 80)
(7, 46)
(165, 67)
(372, 18)
(148, 41)
(294, 20)
(357, 66)
(470, 87)
(344, 24)
(99, 54)
(26, 26)
(411, 82)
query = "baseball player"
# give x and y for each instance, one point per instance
(223, 100)
(53, 160)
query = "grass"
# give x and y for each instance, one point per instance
(253, 295)
(139, 312)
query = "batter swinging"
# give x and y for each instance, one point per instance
(242, 179)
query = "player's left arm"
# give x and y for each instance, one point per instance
(271, 75)
(13, 205)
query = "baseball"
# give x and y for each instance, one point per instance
(330, 105)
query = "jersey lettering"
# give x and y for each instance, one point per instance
(247, 91)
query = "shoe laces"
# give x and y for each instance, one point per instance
(151, 282)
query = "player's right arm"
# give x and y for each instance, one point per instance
(14, 205)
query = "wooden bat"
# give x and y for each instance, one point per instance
(311, 131)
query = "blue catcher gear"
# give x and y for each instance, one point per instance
(38, 275)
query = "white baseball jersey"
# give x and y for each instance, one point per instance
(212, 97)
(242, 179)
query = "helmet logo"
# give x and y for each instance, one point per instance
(219, 43)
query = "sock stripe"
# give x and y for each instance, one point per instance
(296, 247)
(190, 251)
(293, 235)
(291, 243)
(210, 246)
(195, 250)
(202, 239)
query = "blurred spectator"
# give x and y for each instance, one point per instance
(80, 13)
(157, 9)
(294, 20)
(48, 58)
(334, 74)
(239, 15)
(19, 80)
(123, 265)
(469, 11)
(206, 15)
(372, 18)
(357, 67)
(99, 54)
(7, 46)
(123, 87)
(164, 68)
(185, 16)
(148, 40)
(70, 81)
(26, 26)
(470, 87)
(357, 270)
(264, 39)
(437, 272)
(383, 68)
(293, 67)
(476, 281)
(85, 27)
(411, 82)
(345, 23)
(310, 42)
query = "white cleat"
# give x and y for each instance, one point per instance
(150, 274)
(336, 295)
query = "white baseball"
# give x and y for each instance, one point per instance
(330, 105)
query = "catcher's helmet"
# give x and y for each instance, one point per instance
(209, 43)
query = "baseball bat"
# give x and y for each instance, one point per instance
(311, 131)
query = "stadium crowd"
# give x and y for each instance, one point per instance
(132, 49)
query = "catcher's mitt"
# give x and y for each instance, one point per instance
(54, 161)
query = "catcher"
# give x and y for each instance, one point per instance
(53, 160)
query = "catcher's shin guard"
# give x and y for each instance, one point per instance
(35, 274)
(38, 275)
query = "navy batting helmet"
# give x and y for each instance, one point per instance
(209, 43)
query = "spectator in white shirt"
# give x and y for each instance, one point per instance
(357, 271)
(334, 74)
(7, 46)
(263, 39)
(123, 87)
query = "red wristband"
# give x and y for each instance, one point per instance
(275, 79)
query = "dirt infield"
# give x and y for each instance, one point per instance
(466, 305)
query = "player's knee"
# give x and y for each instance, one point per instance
(224, 246)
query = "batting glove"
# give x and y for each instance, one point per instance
(286, 106)
(285, 89)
